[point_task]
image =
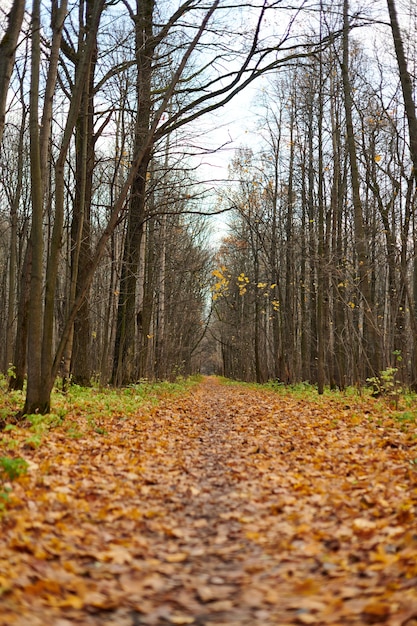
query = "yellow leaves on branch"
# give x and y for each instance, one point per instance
(219, 272)
(221, 286)
(242, 282)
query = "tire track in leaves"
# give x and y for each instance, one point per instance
(226, 506)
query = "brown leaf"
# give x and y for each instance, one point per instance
(170, 518)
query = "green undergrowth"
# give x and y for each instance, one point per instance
(81, 412)
(82, 409)
(125, 400)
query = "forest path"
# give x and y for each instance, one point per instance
(226, 506)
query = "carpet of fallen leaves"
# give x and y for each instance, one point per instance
(226, 506)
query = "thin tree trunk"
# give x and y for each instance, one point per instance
(312, 249)
(339, 286)
(34, 400)
(289, 337)
(321, 248)
(160, 350)
(16, 381)
(406, 83)
(410, 109)
(13, 263)
(371, 348)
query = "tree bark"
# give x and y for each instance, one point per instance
(78, 350)
(410, 109)
(41, 375)
(371, 348)
(13, 261)
(35, 401)
(129, 320)
(7, 55)
(406, 84)
(17, 380)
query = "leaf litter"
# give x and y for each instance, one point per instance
(227, 506)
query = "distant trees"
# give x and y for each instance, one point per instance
(104, 253)
(103, 272)
(335, 196)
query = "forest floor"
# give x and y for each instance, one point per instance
(227, 505)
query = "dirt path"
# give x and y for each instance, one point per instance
(227, 507)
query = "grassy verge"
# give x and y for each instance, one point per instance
(78, 413)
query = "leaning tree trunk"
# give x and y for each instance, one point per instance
(406, 84)
(7, 55)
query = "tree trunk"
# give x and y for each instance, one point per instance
(322, 289)
(289, 336)
(410, 109)
(79, 349)
(337, 195)
(406, 84)
(7, 55)
(41, 373)
(371, 347)
(36, 401)
(17, 380)
(129, 320)
(13, 261)
(312, 248)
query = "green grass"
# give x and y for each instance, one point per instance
(95, 402)
(404, 409)
(104, 400)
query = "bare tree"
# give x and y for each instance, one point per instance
(41, 318)
(197, 81)
(371, 338)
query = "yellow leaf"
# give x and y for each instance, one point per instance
(177, 557)
(70, 602)
(253, 536)
(363, 526)
(178, 618)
